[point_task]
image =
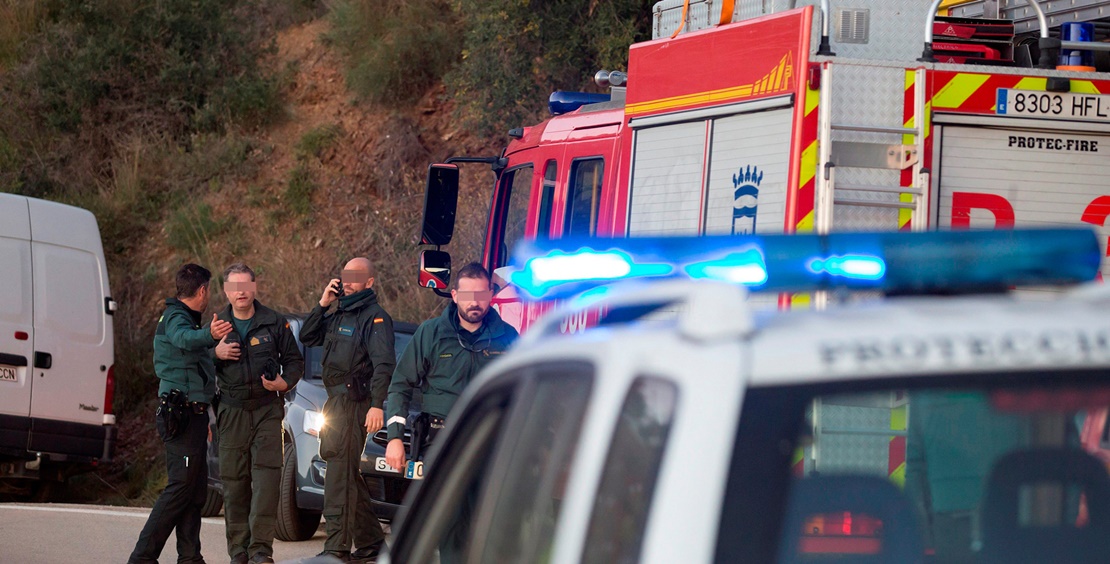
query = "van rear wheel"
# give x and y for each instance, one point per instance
(213, 502)
(293, 523)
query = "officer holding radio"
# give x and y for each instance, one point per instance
(357, 363)
(257, 361)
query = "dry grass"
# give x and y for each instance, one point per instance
(18, 19)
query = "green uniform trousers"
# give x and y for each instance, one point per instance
(350, 519)
(250, 469)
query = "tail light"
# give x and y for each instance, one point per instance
(110, 396)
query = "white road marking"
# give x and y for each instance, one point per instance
(125, 512)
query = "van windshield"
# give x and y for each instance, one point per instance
(1007, 472)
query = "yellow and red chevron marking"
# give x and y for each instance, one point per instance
(905, 216)
(977, 93)
(807, 179)
(778, 80)
(807, 165)
(972, 93)
(896, 450)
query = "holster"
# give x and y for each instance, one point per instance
(172, 415)
(420, 427)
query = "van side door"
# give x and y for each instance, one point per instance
(16, 329)
(73, 340)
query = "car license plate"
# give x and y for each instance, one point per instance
(382, 466)
(8, 373)
(1058, 105)
(415, 470)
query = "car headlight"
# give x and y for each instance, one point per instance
(313, 422)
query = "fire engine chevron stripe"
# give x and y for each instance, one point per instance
(896, 450)
(958, 90)
(778, 79)
(1084, 87)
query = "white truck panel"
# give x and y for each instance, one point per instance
(1023, 178)
(666, 180)
(748, 150)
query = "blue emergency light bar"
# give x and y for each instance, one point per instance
(894, 263)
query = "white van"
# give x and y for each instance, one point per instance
(56, 349)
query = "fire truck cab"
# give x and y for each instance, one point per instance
(764, 117)
(687, 426)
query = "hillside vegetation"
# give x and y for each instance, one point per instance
(290, 134)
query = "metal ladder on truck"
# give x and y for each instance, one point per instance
(833, 154)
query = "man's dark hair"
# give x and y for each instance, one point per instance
(472, 270)
(238, 268)
(190, 279)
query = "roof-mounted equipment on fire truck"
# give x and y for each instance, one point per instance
(894, 263)
(562, 102)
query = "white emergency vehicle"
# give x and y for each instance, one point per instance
(687, 426)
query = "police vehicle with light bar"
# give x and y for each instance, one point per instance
(951, 421)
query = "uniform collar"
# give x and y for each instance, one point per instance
(358, 300)
(174, 302)
(262, 314)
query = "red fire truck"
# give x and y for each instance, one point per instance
(777, 117)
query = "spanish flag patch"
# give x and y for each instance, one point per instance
(378, 320)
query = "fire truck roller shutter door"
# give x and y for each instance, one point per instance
(720, 175)
(1002, 178)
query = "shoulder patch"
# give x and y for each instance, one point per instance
(378, 320)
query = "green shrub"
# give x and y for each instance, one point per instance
(18, 20)
(516, 52)
(395, 50)
(168, 66)
(313, 143)
(299, 189)
(193, 228)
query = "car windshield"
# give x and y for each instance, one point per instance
(1014, 471)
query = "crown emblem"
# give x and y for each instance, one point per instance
(749, 176)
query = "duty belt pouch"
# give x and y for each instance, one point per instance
(172, 414)
(358, 387)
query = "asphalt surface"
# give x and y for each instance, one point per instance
(61, 533)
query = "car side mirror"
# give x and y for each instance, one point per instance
(441, 199)
(435, 270)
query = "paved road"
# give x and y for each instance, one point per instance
(49, 533)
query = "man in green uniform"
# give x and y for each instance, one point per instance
(182, 363)
(254, 363)
(357, 363)
(444, 354)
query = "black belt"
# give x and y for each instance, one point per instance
(248, 404)
(337, 389)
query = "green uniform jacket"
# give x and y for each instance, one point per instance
(436, 360)
(181, 358)
(357, 338)
(269, 337)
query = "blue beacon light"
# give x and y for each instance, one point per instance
(862, 267)
(891, 262)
